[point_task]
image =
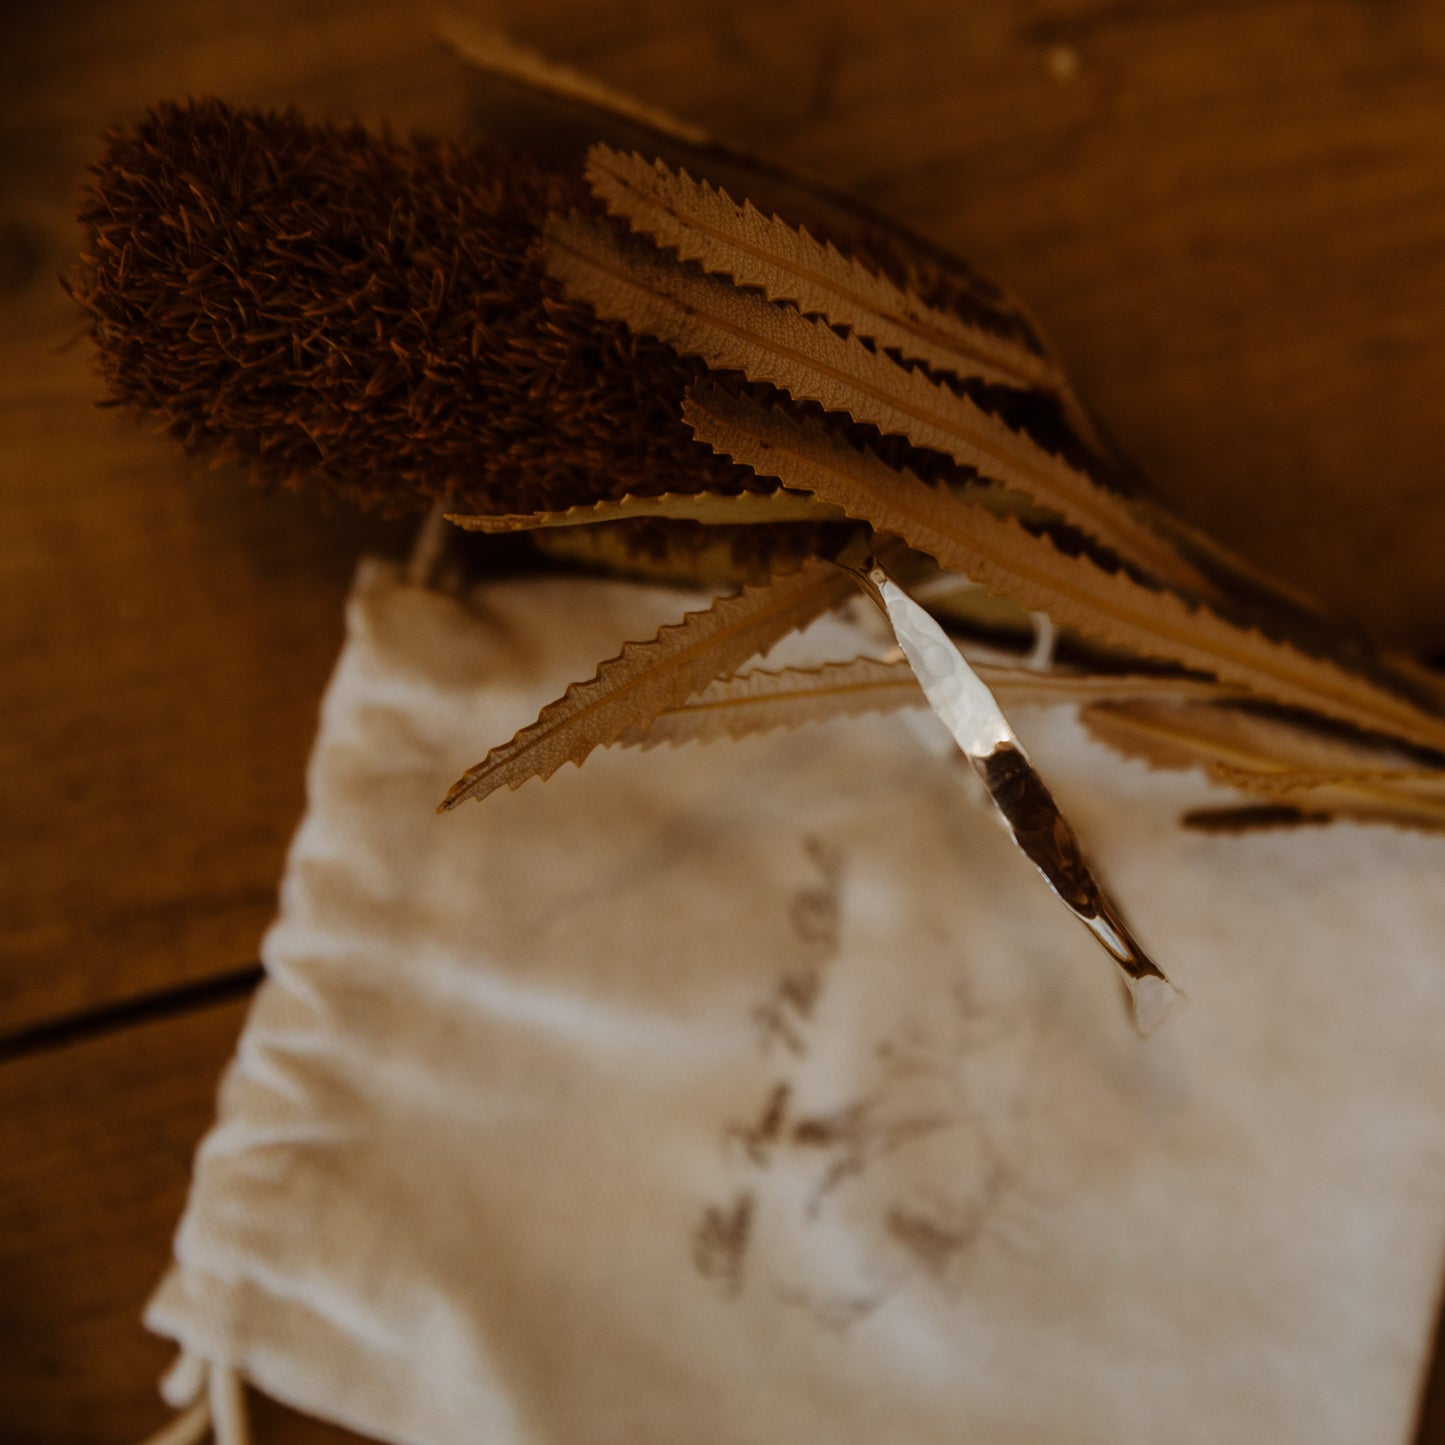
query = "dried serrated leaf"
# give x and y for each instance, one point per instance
(1002, 555)
(745, 509)
(678, 553)
(628, 280)
(964, 606)
(1252, 819)
(1018, 686)
(1414, 815)
(492, 51)
(1182, 733)
(647, 678)
(923, 264)
(1406, 797)
(700, 223)
(1294, 765)
(763, 700)
(1420, 782)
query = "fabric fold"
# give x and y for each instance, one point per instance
(760, 1092)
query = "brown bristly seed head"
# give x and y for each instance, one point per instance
(325, 304)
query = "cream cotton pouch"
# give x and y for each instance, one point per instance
(760, 1093)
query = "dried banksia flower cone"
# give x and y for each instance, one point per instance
(408, 321)
(375, 315)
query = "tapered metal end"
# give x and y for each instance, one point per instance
(1154, 998)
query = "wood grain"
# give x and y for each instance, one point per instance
(97, 1141)
(166, 636)
(1230, 213)
(1232, 217)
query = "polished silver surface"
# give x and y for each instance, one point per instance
(973, 717)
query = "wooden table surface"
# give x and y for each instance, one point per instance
(1231, 215)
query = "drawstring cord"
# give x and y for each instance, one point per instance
(217, 1405)
(228, 1407)
(188, 1428)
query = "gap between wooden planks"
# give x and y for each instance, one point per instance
(1231, 217)
(98, 1135)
